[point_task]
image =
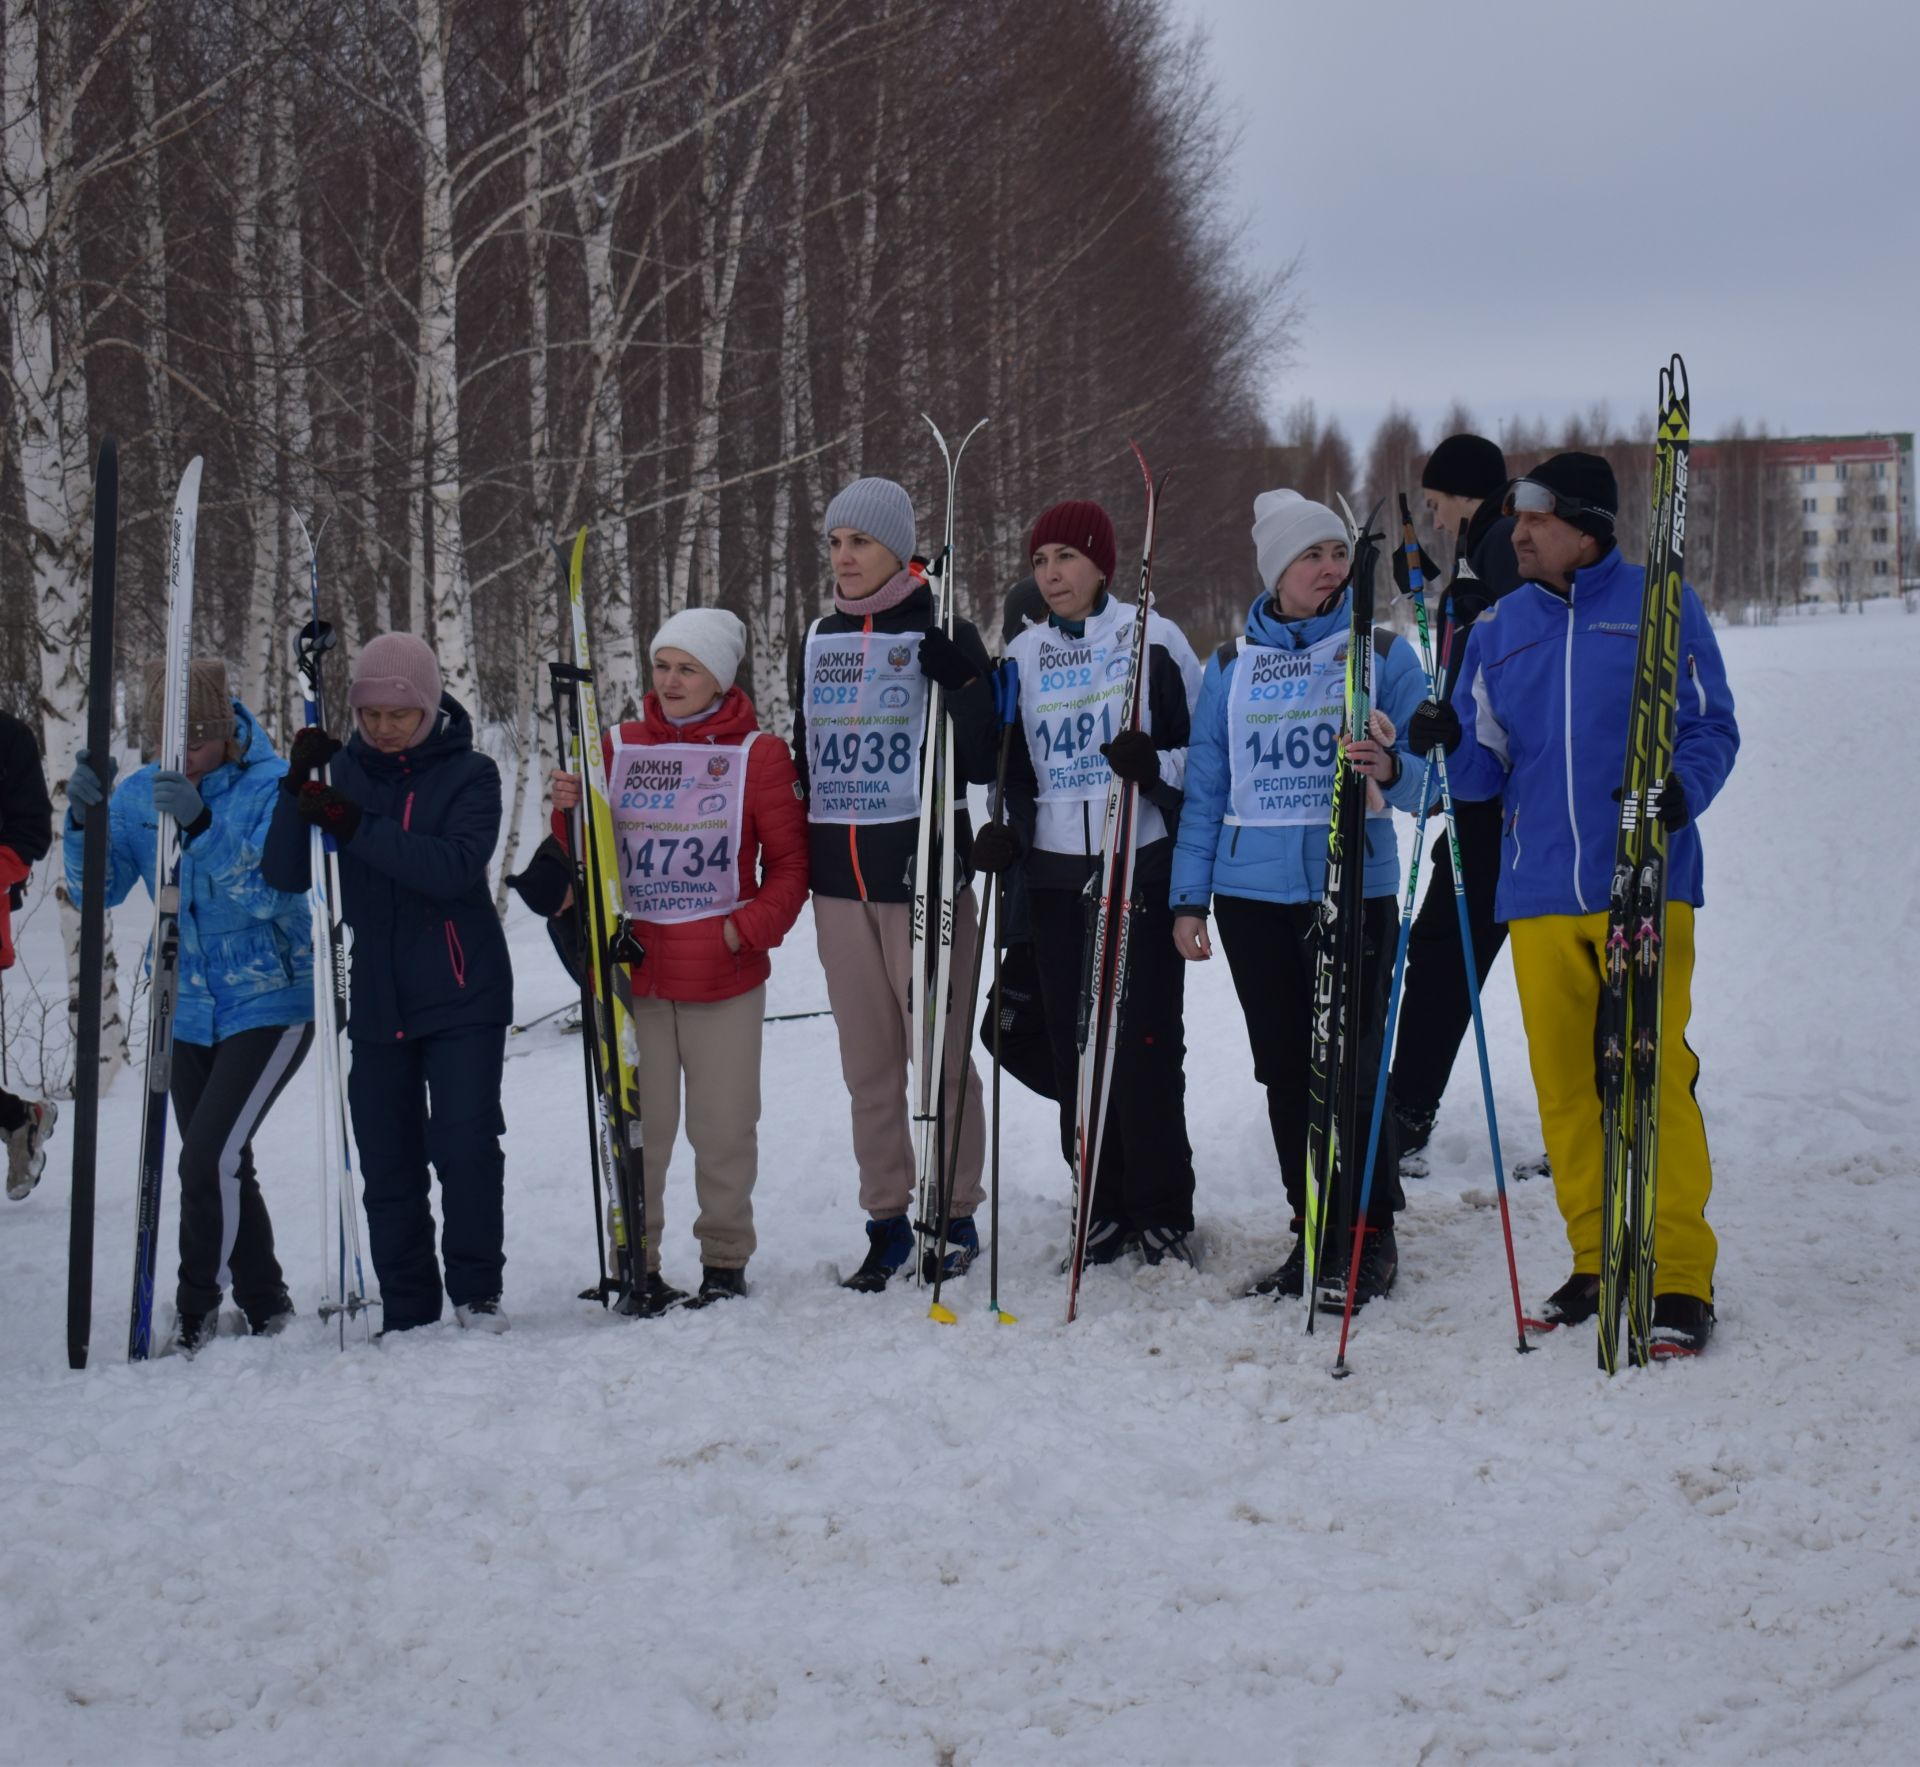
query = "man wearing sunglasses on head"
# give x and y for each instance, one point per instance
(1545, 692)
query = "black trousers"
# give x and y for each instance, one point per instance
(1434, 1008)
(1145, 1177)
(434, 1100)
(220, 1094)
(1270, 948)
(1025, 1051)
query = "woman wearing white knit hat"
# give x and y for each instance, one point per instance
(858, 725)
(717, 876)
(1253, 838)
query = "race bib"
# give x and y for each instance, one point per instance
(1070, 703)
(1285, 711)
(866, 715)
(678, 810)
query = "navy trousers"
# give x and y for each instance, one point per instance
(432, 1102)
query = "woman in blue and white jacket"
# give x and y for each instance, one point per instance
(1252, 844)
(243, 1019)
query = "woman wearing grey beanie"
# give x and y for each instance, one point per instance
(858, 725)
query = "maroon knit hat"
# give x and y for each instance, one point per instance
(1083, 525)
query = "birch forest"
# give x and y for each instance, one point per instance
(447, 279)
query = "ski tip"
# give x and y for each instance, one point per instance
(941, 1314)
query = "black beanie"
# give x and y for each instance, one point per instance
(1465, 466)
(1025, 606)
(544, 884)
(1588, 479)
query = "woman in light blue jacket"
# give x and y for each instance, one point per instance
(1252, 844)
(244, 1017)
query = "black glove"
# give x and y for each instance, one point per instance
(324, 808)
(943, 662)
(1675, 811)
(1133, 758)
(995, 849)
(312, 749)
(1434, 725)
(1429, 571)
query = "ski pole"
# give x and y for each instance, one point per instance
(1006, 693)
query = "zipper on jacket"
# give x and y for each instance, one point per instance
(456, 956)
(1513, 829)
(1573, 813)
(406, 814)
(853, 828)
(1699, 686)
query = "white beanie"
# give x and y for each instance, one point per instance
(1285, 524)
(714, 638)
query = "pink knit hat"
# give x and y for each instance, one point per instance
(396, 669)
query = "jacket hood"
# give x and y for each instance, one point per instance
(730, 720)
(451, 734)
(1266, 626)
(255, 748)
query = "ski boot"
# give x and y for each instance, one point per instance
(27, 1149)
(717, 1284)
(1574, 1302)
(963, 1246)
(889, 1246)
(1682, 1324)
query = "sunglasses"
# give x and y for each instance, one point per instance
(1525, 495)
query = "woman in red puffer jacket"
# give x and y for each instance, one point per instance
(716, 875)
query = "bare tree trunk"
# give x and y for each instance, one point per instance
(439, 405)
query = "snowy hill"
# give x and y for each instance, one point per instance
(814, 1527)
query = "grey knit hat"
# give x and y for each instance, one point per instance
(1285, 524)
(879, 508)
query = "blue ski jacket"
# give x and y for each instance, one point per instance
(428, 952)
(1544, 697)
(1213, 857)
(246, 948)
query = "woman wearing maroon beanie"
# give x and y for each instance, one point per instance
(415, 812)
(1066, 746)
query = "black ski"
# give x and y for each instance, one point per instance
(93, 911)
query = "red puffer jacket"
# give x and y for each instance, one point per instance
(689, 960)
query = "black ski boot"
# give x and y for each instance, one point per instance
(274, 1318)
(1108, 1241)
(1681, 1326)
(1289, 1282)
(1168, 1245)
(1414, 1128)
(1379, 1265)
(656, 1296)
(717, 1284)
(192, 1332)
(889, 1246)
(1574, 1302)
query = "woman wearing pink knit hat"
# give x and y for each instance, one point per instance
(415, 812)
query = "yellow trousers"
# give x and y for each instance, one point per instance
(1557, 962)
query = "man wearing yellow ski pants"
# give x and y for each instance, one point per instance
(1558, 964)
(1539, 718)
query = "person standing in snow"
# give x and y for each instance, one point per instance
(415, 813)
(1253, 845)
(859, 724)
(243, 1019)
(26, 832)
(716, 874)
(1546, 687)
(1067, 748)
(1462, 482)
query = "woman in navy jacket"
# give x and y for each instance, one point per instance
(415, 813)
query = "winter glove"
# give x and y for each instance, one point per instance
(1434, 725)
(1675, 811)
(943, 662)
(312, 749)
(1133, 758)
(174, 794)
(1429, 571)
(1466, 602)
(88, 785)
(995, 849)
(324, 808)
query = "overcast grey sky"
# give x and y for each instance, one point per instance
(1528, 204)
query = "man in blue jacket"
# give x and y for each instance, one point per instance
(1544, 698)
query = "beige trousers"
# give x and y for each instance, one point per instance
(866, 948)
(715, 1047)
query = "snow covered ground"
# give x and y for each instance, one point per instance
(814, 1527)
